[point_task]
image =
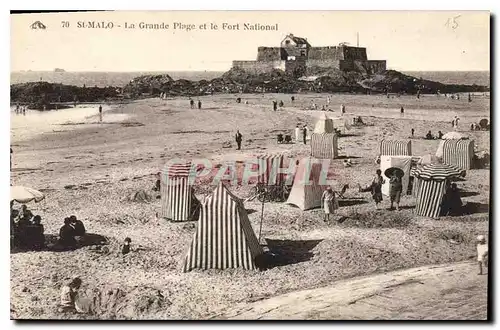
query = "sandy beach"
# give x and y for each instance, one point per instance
(86, 168)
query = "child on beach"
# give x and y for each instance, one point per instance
(482, 253)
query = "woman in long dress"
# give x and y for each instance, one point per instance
(375, 188)
(328, 202)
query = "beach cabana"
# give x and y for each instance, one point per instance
(402, 162)
(324, 146)
(224, 237)
(271, 166)
(430, 186)
(457, 152)
(395, 148)
(178, 202)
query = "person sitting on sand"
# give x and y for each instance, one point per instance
(452, 203)
(440, 135)
(157, 186)
(482, 253)
(375, 188)
(67, 235)
(37, 237)
(77, 225)
(69, 296)
(429, 136)
(126, 246)
(347, 163)
(25, 215)
(293, 98)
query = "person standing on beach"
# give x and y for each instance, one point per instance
(100, 113)
(275, 105)
(402, 111)
(11, 158)
(191, 102)
(199, 104)
(297, 133)
(470, 98)
(412, 132)
(293, 98)
(238, 138)
(482, 253)
(304, 133)
(375, 188)
(328, 202)
(342, 109)
(395, 188)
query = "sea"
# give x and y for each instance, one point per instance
(120, 79)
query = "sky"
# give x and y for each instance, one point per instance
(407, 40)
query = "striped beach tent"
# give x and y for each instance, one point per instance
(402, 162)
(224, 237)
(324, 125)
(395, 148)
(430, 187)
(271, 166)
(459, 153)
(324, 146)
(307, 190)
(178, 202)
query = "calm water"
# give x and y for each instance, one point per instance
(23, 127)
(119, 79)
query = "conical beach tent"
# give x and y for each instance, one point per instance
(178, 202)
(324, 125)
(224, 237)
(306, 190)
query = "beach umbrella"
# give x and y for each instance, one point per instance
(454, 136)
(437, 171)
(22, 194)
(394, 170)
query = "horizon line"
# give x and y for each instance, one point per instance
(140, 71)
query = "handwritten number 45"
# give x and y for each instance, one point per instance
(452, 22)
(65, 24)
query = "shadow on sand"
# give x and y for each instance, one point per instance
(352, 201)
(286, 252)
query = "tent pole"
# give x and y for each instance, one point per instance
(262, 215)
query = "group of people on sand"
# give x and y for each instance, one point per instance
(191, 103)
(20, 109)
(429, 135)
(26, 229)
(301, 132)
(375, 188)
(70, 234)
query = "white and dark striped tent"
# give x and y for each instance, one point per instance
(178, 202)
(324, 146)
(459, 153)
(430, 187)
(224, 237)
(395, 148)
(307, 189)
(271, 166)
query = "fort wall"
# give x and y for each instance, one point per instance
(269, 54)
(257, 67)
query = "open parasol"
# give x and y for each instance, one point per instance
(394, 170)
(437, 171)
(22, 194)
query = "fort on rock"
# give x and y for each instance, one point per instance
(295, 55)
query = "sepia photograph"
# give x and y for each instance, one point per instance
(250, 165)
